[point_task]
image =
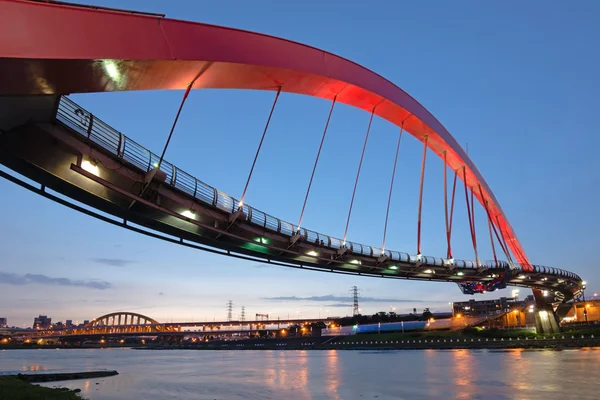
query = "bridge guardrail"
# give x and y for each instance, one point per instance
(86, 124)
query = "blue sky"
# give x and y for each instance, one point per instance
(517, 81)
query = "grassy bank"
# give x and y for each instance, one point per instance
(469, 333)
(15, 389)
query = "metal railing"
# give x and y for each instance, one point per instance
(97, 131)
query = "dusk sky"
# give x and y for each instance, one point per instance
(517, 81)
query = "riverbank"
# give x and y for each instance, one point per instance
(20, 386)
(12, 388)
(396, 341)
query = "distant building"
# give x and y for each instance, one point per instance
(473, 308)
(69, 323)
(42, 322)
(584, 312)
(3, 323)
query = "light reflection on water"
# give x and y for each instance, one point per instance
(330, 374)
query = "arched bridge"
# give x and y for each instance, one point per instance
(117, 323)
(58, 144)
(121, 319)
(132, 324)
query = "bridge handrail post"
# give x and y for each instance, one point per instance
(120, 152)
(90, 125)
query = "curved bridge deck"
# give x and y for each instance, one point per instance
(56, 143)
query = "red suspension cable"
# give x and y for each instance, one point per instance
(448, 220)
(492, 242)
(387, 212)
(316, 161)
(506, 248)
(362, 155)
(421, 195)
(241, 203)
(471, 216)
(490, 224)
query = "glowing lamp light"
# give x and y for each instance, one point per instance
(428, 271)
(312, 253)
(543, 314)
(110, 67)
(155, 165)
(356, 262)
(460, 273)
(90, 167)
(545, 293)
(189, 214)
(393, 267)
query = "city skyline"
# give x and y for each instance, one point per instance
(56, 259)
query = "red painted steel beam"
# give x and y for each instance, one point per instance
(53, 48)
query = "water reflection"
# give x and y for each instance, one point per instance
(270, 375)
(463, 361)
(287, 371)
(333, 374)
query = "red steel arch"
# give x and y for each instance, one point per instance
(72, 49)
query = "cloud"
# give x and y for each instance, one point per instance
(348, 299)
(161, 293)
(113, 262)
(344, 305)
(30, 279)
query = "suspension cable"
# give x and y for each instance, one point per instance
(421, 195)
(387, 211)
(490, 225)
(471, 217)
(452, 210)
(185, 96)
(448, 220)
(492, 242)
(316, 162)
(503, 240)
(241, 203)
(160, 160)
(473, 213)
(358, 174)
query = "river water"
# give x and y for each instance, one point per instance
(330, 374)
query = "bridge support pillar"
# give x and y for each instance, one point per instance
(546, 320)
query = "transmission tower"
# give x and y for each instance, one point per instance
(229, 310)
(354, 292)
(243, 316)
